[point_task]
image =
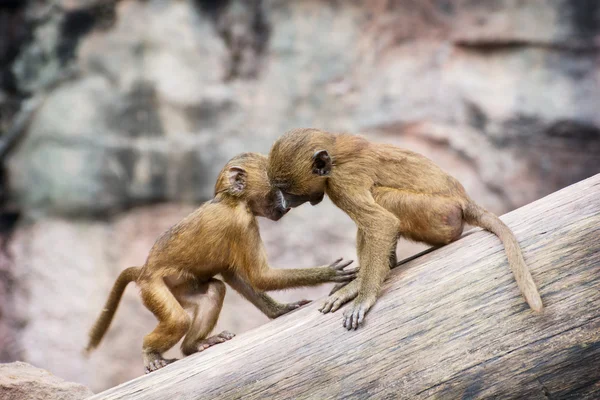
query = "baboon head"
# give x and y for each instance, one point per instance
(299, 164)
(245, 177)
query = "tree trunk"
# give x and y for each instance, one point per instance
(449, 324)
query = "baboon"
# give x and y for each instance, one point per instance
(390, 193)
(220, 237)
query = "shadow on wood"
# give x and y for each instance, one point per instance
(449, 324)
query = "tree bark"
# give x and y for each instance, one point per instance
(449, 324)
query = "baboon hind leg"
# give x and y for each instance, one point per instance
(173, 323)
(205, 299)
(431, 219)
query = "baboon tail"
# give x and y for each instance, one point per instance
(103, 322)
(478, 216)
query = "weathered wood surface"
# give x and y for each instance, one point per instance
(450, 324)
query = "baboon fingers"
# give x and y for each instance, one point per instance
(213, 340)
(326, 307)
(227, 335)
(336, 305)
(352, 270)
(347, 293)
(157, 364)
(350, 320)
(336, 264)
(346, 278)
(337, 287)
(203, 346)
(345, 275)
(298, 304)
(355, 315)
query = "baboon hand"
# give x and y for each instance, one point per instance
(337, 287)
(337, 272)
(341, 297)
(355, 314)
(155, 362)
(286, 308)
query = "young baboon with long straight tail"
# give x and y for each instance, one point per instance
(389, 192)
(220, 237)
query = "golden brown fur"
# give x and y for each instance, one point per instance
(389, 192)
(220, 237)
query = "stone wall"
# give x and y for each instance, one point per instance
(142, 102)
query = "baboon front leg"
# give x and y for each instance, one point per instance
(206, 300)
(267, 278)
(265, 303)
(378, 231)
(343, 292)
(375, 273)
(173, 323)
(359, 246)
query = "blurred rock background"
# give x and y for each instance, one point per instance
(116, 116)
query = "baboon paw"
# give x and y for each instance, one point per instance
(157, 364)
(339, 274)
(354, 316)
(289, 307)
(203, 346)
(226, 335)
(337, 287)
(213, 340)
(339, 298)
(294, 306)
(301, 303)
(332, 304)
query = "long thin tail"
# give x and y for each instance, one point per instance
(103, 322)
(478, 216)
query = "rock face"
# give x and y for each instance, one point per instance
(22, 381)
(162, 93)
(144, 101)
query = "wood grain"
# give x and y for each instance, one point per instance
(449, 324)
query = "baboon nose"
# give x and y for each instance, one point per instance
(283, 211)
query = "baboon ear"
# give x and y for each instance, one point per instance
(321, 163)
(237, 178)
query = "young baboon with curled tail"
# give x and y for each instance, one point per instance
(220, 237)
(389, 192)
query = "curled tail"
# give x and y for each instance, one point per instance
(478, 216)
(103, 322)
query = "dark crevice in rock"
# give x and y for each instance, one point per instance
(476, 116)
(14, 33)
(74, 26)
(10, 347)
(77, 23)
(212, 7)
(245, 30)
(585, 20)
(530, 128)
(512, 45)
(574, 130)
